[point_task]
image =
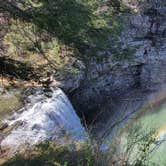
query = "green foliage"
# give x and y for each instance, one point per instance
(50, 154)
(25, 39)
(80, 24)
(21, 38)
(60, 29)
(135, 147)
(140, 144)
(132, 149)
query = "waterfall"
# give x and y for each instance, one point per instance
(44, 118)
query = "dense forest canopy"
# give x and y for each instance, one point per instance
(58, 30)
(81, 24)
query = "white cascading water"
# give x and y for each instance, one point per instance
(44, 119)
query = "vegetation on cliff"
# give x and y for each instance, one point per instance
(46, 34)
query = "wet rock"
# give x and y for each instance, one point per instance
(46, 119)
(3, 126)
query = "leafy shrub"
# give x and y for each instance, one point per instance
(50, 154)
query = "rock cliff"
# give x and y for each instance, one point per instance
(143, 41)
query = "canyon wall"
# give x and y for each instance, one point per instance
(144, 37)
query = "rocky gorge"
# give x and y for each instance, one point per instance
(106, 93)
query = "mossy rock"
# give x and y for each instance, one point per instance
(9, 102)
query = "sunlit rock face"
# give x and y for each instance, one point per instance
(144, 31)
(44, 118)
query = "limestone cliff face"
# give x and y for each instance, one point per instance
(144, 31)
